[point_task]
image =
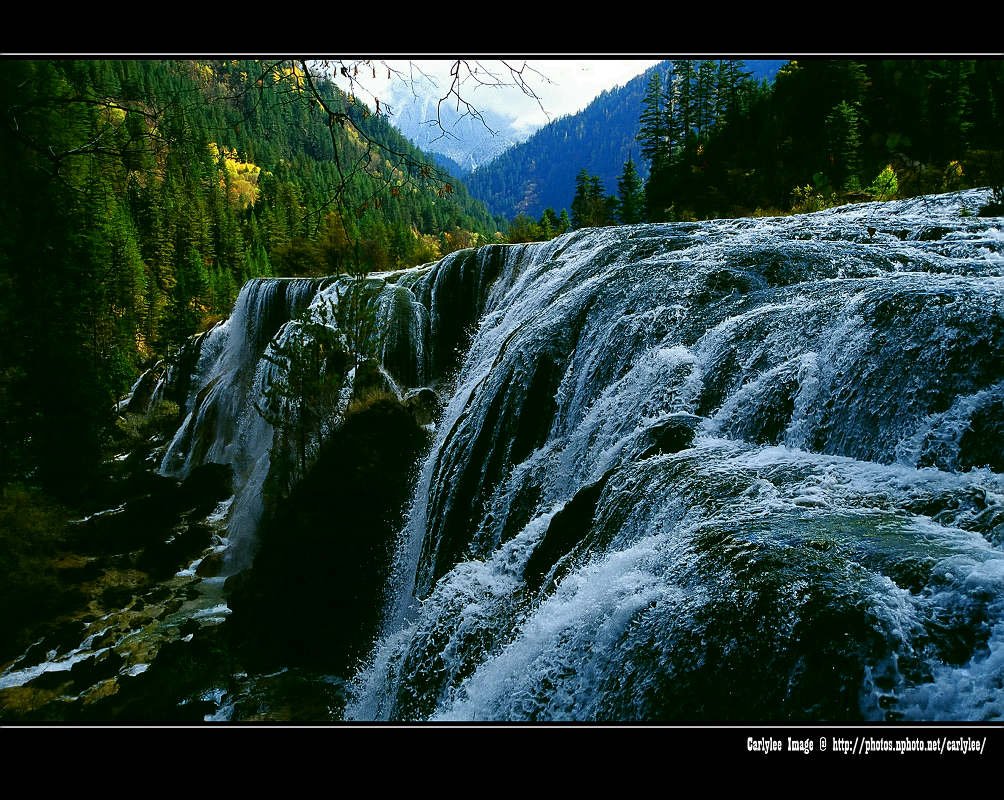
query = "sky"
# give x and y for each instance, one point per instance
(562, 86)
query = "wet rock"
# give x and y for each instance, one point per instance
(139, 403)
(90, 671)
(174, 686)
(51, 680)
(932, 233)
(107, 639)
(314, 593)
(172, 606)
(423, 404)
(157, 594)
(64, 638)
(189, 626)
(567, 528)
(982, 443)
(74, 569)
(163, 558)
(117, 596)
(133, 523)
(105, 688)
(19, 703)
(206, 486)
(673, 435)
(369, 380)
(211, 566)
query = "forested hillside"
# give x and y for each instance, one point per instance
(826, 131)
(540, 172)
(138, 196)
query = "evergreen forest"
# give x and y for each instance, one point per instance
(825, 131)
(139, 196)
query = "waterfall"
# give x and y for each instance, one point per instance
(222, 424)
(423, 318)
(735, 469)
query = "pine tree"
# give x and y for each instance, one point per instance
(685, 76)
(564, 223)
(653, 132)
(705, 100)
(548, 224)
(843, 141)
(580, 202)
(631, 196)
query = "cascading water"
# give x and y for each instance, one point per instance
(737, 469)
(222, 424)
(422, 315)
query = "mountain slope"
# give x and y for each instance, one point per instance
(540, 172)
(464, 141)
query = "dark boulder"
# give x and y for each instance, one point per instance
(139, 403)
(205, 486)
(370, 380)
(211, 566)
(314, 594)
(163, 557)
(423, 404)
(672, 435)
(568, 527)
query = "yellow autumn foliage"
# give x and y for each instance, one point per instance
(113, 114)
(242, 176)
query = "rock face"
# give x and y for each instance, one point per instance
(147, 518)
(424, 405)
(314, 594)
(146, 386)
(423, 319)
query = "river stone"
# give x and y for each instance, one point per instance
(210, 566)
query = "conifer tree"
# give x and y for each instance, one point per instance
(653, 132)
(705, 91)
(631, 196)
(685, 107)
(843, 141)
(548, 224)
(580, 202)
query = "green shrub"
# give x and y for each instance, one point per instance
(135, 429)
(885, 186)
(367, 398)
(806, 200)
